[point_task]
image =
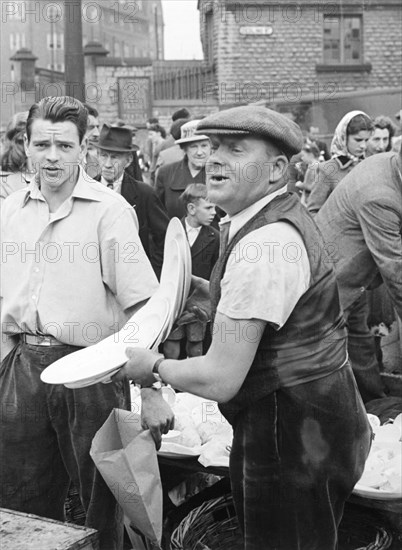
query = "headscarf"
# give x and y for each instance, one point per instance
(339, 141)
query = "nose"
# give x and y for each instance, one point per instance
(108, 162)
(52, 154)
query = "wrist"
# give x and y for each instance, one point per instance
(155, 370)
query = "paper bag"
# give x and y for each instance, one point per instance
(125, 455)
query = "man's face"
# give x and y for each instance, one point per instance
(55, 151)
(113, 164)
(93, 128)
(238, 172)
(198, 153)
(203, 211)
(378, 141)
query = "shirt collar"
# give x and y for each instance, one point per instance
(116, 184)
(237, 221)
(83, 189)
(190, 228)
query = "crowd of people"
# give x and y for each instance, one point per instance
(280, 339)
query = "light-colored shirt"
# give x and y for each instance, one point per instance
(267, 271)
(73, 275)
(192, 233)
(116, 185)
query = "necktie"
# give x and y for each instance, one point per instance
(224, 237)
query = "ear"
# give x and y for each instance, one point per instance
(26, 146)
(279, 167)
(84, 147)
(191, 208)
(129, 160)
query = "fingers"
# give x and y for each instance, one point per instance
(157, 436)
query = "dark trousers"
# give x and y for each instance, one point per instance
(296, 456)
(46, 435)
(362, 351)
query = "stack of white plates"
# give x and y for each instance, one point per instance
(147, 328)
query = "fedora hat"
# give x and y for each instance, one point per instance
(187, 133)
(115, 138)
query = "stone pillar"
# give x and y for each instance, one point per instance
(93, 51)
(23, 69)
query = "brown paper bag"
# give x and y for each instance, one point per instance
(126, 457)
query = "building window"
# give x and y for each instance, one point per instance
(126, 50)
(55, 41)
(343, 40)
(15, 41)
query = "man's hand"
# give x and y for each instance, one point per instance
(139, 366)
(198, 304)
(156, 415)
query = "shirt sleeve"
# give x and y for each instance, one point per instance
(267, 273)
(126, 269)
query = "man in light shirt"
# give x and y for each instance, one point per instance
(73, 273)
(277, 363)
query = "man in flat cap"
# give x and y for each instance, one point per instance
(278, 362)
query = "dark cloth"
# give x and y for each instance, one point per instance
(362, 351)
(171, 180)
(296, 456)
(47, 432)
(152, 218)
(327, 177)
(312, 342)
(204, 252)
(362, 226)
(134, 169)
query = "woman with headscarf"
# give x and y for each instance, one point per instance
(347, 149)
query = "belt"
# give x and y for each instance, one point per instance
(40, 340)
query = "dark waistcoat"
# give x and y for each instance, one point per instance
(312, 342)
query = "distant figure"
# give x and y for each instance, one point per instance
(116, 152)
(16, 166)
(381, 139)
(347, 149)
(204, 243)
(172, 179)
(91, 165)
(309, 155)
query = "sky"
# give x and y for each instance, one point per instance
(182, 29)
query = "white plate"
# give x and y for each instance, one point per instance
(95, 361)
(369, 492)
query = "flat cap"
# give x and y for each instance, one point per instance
(255, 121)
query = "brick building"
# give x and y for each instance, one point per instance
(303, 56)
(126, 29)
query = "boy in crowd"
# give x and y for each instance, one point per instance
(204, 244)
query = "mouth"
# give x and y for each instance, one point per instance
(51, 170)
(217, 179)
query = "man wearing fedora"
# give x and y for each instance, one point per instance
(115, 154)
(172, 179)
(278, 363)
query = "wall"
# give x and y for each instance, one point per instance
(283, 66)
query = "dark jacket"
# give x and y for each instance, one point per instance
(171, 180)
(362, 225)
(152, 218)
(205, 251)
